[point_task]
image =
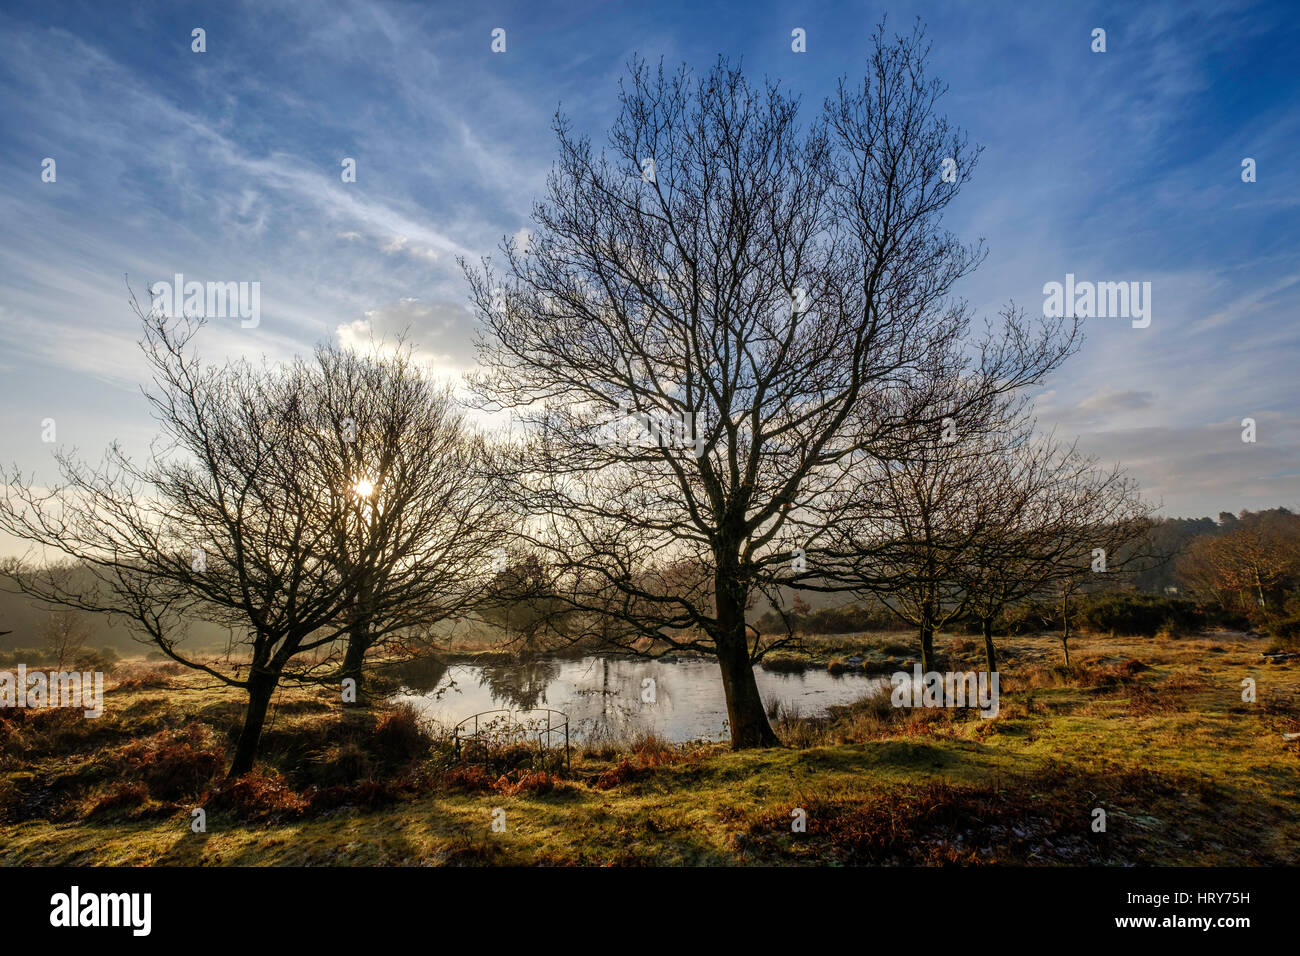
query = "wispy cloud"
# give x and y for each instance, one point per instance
(1121, 166)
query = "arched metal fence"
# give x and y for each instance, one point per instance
(472, 729)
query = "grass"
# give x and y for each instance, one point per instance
(1153, 732)
(879, 651)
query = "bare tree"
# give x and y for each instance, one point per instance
(65, 633)
(978, 515)
(1059, 519)
(247, 515)
(224, 522)
(712, 323)
(913, 522)
(426, 516)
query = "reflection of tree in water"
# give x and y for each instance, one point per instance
(614, 703)
(419, 675)
(521, 684)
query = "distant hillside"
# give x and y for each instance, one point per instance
(22, 616)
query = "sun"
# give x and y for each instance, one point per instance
(364, 488)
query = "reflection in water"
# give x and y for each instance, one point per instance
(519, 685)
(419, 675)
(614, 698)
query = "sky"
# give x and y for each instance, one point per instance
(225, 165)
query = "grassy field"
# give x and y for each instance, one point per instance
(1153, 732)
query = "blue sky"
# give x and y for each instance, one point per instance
(224, 166)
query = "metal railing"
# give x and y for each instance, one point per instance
(544, 734)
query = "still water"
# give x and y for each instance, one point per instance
(613, 698)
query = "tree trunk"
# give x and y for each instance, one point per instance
(354, 658)
(990, 653)
(745, 713)
(927, 648)
(748, 719)
(261, 685)
(359, 640)
(1065, 628)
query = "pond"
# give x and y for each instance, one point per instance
(616, 698)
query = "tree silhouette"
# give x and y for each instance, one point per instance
(712, 323)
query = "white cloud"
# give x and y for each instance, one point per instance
(439, 333)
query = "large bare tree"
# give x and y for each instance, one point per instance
(224, 522)
(713, 322)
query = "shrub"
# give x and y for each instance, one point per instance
(1286, 629)
(368, 794)
(340, 766)
(49, 731)
(175, 765)
(530, 781)
(257, 795)
(11, 795)
(399, 737)
(103, 661)
(33, 657)
(653, 752)
(1139, 614)
(121, 796)
(472, 778)
(622, 772)
(1111, 674)
(1027, 617)
(785, 663)
(149, 680)
(848, 619)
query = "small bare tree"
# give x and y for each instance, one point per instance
(426, 514)
(914, 520)
(65, 633)
(247, 515)
(979, 515)
(1059, 519)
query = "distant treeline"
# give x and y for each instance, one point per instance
(1241, 571)
(1128, 613)
(25, 619)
